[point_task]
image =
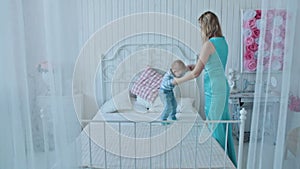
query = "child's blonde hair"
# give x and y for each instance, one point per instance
(210, 26)
(178, 64)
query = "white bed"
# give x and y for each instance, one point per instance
(121, 134)
(116, 142)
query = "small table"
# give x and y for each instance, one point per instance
(238, 100)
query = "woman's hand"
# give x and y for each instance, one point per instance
(195, 70)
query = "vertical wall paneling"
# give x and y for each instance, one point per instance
(190, 53)
(147, 5)
(171, 7)
(213, 7)
(189, 19)
(90, 15)
(218, 6)
(120, 11)
(95, 14)
(234, 16)
(223, 19)
(80, 22)
(186, 28)
(194, 21)
(228, 19)
(162, 6)
(84, 20)
(206, 5)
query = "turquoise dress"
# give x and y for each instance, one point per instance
(217, 93)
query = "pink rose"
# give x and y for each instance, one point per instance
(269, 24)
(282, 26)
(294, 103)
(247, 32)
(280, 58)
(277, 52)
(255, 33)
(268, 37)
(283, 14)
(258, 14)
(279, 46)
(249, 55)
(277, 31)
(266, 53)
(266, 46)
(253, 47)
(270, 14)
(282, 33)
(245, 24)
(249, 41)
(251, 23)
(280, 67)
(266, 62)
(275, 63)
(251, 65)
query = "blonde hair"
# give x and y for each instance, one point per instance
(178, 64)
(210, 26)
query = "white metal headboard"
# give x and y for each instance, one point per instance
(117, 69)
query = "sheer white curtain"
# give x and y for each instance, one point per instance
(275, 134)
(38, 46)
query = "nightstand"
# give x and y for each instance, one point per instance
(237, 101)
(246, 99)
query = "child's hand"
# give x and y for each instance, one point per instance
(191, 67)
(174, 82)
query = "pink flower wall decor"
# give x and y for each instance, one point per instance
(294, 103)
(273, 43)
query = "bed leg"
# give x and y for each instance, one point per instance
(243, 113)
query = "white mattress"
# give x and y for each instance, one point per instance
(150, 145)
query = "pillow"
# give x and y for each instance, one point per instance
(118, 102)
(142, 105)
(146, 87)
(108, 107)
(157, 106)
(185, 105)
(143, 102)
(140, 108)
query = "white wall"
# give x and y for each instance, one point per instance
(95, 14)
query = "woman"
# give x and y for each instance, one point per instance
(212, 60)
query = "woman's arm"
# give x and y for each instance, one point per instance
(207, 50)
(191, 67)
